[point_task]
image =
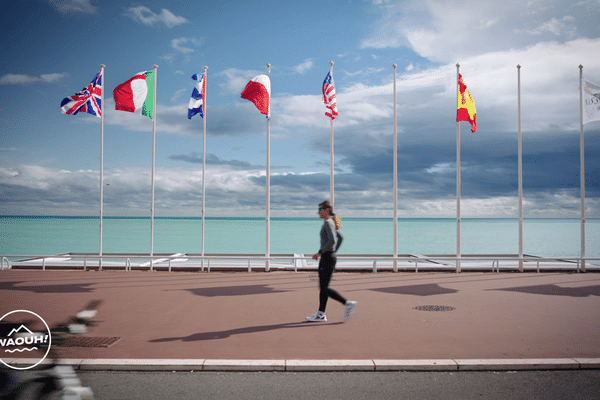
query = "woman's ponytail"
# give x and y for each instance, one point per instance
(338, 222)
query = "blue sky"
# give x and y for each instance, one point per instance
(49, 162)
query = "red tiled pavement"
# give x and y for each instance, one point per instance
(182, 315)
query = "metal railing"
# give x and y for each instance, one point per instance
(360, 263)
(7, 263)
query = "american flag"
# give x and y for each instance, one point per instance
(329, 96)
(89, 100)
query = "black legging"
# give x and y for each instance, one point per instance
(326, 267)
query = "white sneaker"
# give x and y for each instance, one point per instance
(317, 317)
(350, 306)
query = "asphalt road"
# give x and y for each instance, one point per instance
(344, 385)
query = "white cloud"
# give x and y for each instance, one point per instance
(127, 190)
(305, 66)
(23, 79)
(447, 31)
(556, 26)
(363, 72)
(74, 6)
(144, 15)
(298, 111)
(169, 57)
(179, 93)
(185, 45)
(178, 193)
(50, 78)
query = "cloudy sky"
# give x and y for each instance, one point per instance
(50, 162)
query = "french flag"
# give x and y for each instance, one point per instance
(258, 91)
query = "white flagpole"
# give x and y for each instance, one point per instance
(582, 172)
(395, 176)
(103, 108)
(520, 165)
(204, 164)
(268, 221)
(331, 165)
(458, 184)
(153, 164)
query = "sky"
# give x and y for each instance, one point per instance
(50, 162)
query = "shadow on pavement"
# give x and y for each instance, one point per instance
(234, 290)
(240, 331)
(64, 288)
(554, 290)
(417, 290)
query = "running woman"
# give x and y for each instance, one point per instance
(331, 239)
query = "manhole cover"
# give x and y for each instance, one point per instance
(434, 308)
(89, 341)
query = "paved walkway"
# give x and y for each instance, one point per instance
(214, 318)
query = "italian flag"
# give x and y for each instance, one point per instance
(136, 94)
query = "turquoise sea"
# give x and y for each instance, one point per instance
(55, 235)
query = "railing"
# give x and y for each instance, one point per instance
(360, 263)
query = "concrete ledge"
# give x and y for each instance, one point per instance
(588, 363)
(141, 365)
(27, 362)
(517, 364)
(244, 365)
(329, 365)
(322, 365)
(415, 365)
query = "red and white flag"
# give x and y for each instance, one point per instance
(258, 91)
(329, 96)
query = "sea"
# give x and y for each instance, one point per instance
(32, 235)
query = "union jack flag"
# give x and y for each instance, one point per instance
(89, 100)
(329, 96)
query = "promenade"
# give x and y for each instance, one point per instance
(218, 320)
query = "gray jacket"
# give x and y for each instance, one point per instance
(331, 239)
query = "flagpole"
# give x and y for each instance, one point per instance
(395, 176)
(582, 172)
(331, 164)
(153, 167)
(268, 221)
(520, 165)
(203, 163)
(458, 183)
(102, 66)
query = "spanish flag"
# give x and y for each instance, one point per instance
(466, 106)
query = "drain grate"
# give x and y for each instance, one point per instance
(434, 308)
(89, 341)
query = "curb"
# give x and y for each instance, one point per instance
(444, 365)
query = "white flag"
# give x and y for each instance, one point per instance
(591, 102)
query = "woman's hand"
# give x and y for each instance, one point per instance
(316, 256)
